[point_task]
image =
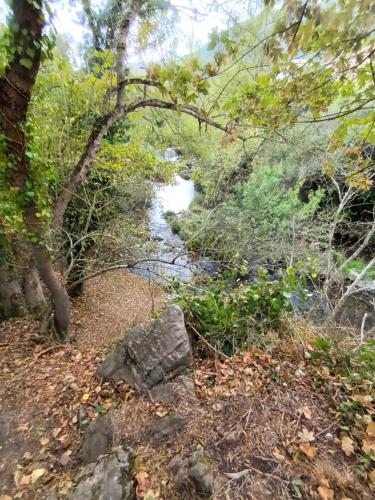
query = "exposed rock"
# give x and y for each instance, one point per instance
(151, 353)
(163, 427)
(181, 387)
(200, 472)
(111, 478)
(194, 476)
(97, 439)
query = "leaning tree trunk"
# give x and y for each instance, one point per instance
(15, 94)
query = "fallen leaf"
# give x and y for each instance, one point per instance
(371, 429)
(309, 451)
(44, 441)
(143, 484)
(307, 412)
(56, 431)
(277, 454)
(347, 445)
(368, 445)
(25, 480)
(325, 491)
(161, 413)
(306, 436)
(5, 497)
(371, 476)
(65, 487)
(65, 458)
(86, 396)
(36, 474)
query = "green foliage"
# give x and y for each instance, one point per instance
(356, 365)
(358, 265)
(231, 316)
(271, 204)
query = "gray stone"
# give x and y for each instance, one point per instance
(110, 478)
(97, 439)
(150, 354)
(200, 472)
(164, 427)
(171, 392)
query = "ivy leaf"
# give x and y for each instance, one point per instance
(27, 63)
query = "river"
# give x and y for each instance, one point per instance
(169, 258)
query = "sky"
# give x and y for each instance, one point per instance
(190, 31)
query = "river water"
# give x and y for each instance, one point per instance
(168, 258)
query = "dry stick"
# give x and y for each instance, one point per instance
(58, 346)
(206, 342)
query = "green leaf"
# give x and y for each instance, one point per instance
(27, 63)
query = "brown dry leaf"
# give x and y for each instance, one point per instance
(365, 401)
(36, 474)
(368, 445)
(371, 476)
(25, 479)
(143, 484)
(23, 428)
(347, 445)
(325, 491)
(277, 454)
(306, 436)
(309, 451)
(161, 412)
(371, 429)
(306, 412)
(44, 441)
(56, 431)
(5, 497)
(65, 458)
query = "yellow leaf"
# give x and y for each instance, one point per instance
(309, 451)
(36, 474)
(371, 429)
(347, 445)
(161, 413)
(86, 396)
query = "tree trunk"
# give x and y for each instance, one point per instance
(33, 292)
(15, 95)
(12, 304)
(58, 292)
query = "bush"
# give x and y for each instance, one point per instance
(232, 316)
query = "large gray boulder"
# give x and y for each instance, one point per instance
(110, 478)
(97, 439)
(151, 353)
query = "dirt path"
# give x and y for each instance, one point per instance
(43, 386)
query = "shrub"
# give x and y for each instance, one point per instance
(231, 316)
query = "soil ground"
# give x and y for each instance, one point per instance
(269, 422)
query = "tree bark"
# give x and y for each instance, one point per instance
(12, 304)
(33, 292)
